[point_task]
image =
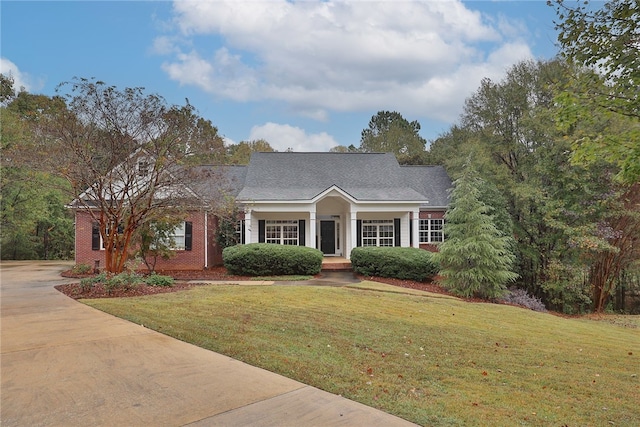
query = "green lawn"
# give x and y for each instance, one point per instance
(430, 359)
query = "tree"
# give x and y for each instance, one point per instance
(34, 221)
(228, 215)
(129, 158)
(555, 205)
(620, 229)
(389, 132)
(7, 91)
(605, 42)
(155, 240)
(344, 149)
(475, 257)
(240, 153)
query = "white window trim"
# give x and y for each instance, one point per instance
(426, 229)
(280, 236)
(378, 223)
(178, 237)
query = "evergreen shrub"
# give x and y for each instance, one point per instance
(521, 297)
(89, 282)
(267, 259)
(82, 269)
(126, 280)
(394, 262)
(159, 280)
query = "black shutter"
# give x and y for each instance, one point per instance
(261, 227)
(358, 233)
(95, 236)
(410, 232)
(243, 238)
(188, 235)
(396, 231)
(301, 233)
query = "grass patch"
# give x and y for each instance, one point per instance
(433, 361)
(291, 278)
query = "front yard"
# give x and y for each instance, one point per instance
(429, 358)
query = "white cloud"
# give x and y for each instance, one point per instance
(284, 137)
(21, 80)
(422, 58)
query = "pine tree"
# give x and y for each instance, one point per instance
(476, 258)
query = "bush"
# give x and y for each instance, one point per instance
(88, 283)
(521, 297)
(159, 280)
(399, 263)
(82, 269)
(125, 281)
(266, 259)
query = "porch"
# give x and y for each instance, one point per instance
(335, 263)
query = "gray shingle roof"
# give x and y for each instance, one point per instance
(432, 181)
(364, 176)
(218, 181)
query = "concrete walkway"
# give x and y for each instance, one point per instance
(64, 363)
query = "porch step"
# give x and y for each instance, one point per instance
(336, 266)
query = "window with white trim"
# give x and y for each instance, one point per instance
(178, 237)
(239, 230)
(431, 230)
(281, 232)
(377, 232)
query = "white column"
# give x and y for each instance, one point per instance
(311, 241)
(247, 226)
(416, 228)
(353, 215)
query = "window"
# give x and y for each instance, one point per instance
(181, 237)
(96, 238)
(143, 168)
(431, 230)
(178, 237)
(376, 232)
(240, 231)
(281, 232)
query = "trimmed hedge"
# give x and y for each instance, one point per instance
(399, 263)
(267, 259)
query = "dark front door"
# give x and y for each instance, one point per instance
(328, 237)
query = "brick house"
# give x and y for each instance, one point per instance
(329, 201)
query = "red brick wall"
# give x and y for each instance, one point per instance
(183, 260)
(434, 214)
(84, 253)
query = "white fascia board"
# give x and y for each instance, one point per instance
(387, 208)
(280, 207)
(331, 189)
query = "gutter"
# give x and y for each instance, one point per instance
(206, 241)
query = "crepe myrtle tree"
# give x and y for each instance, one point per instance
(130, 158)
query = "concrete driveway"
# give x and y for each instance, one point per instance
(64, 364)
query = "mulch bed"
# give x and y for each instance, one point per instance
(185, 280)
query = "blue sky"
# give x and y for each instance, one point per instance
(306, 75)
